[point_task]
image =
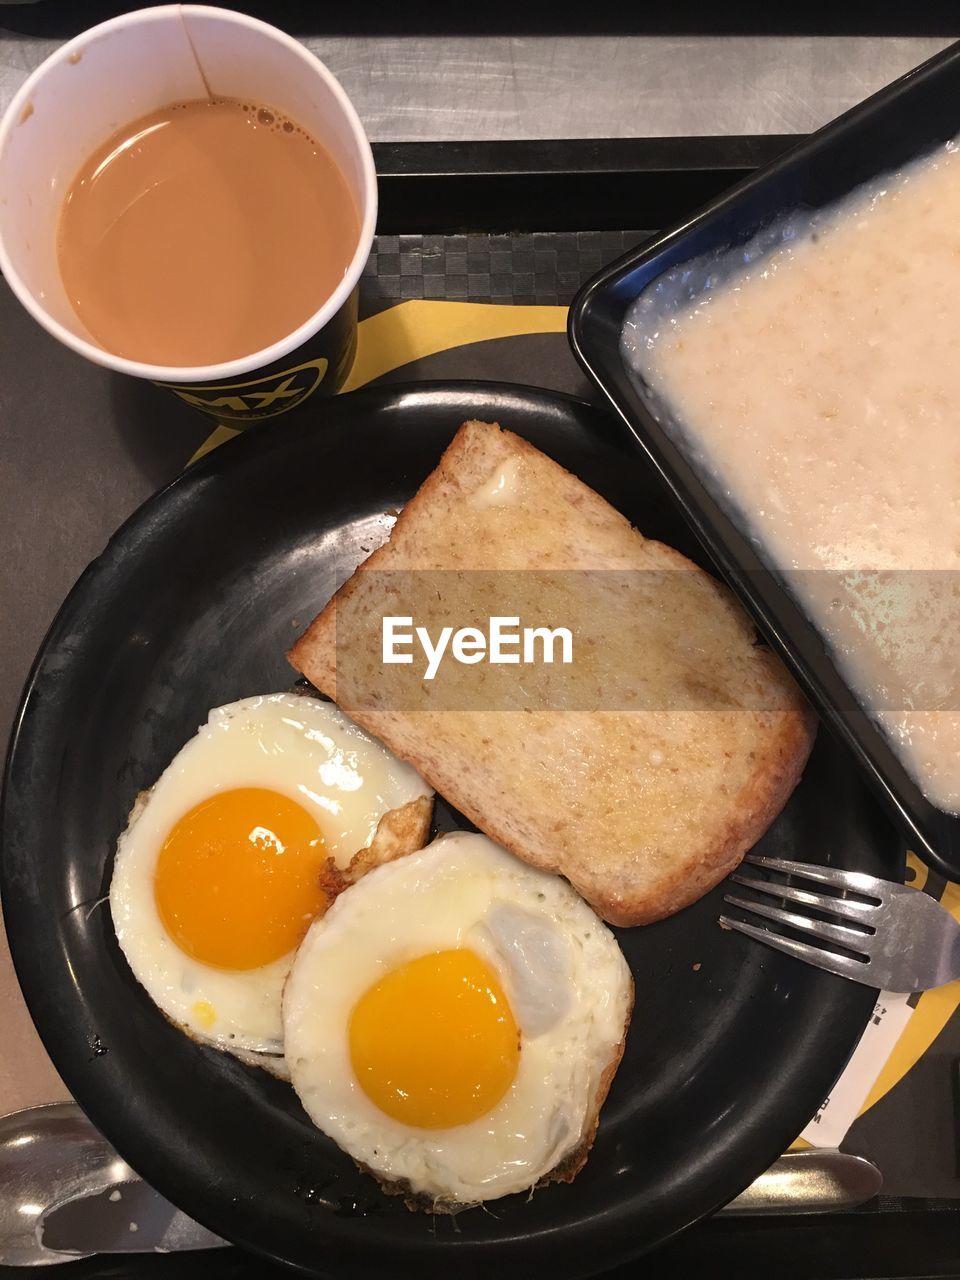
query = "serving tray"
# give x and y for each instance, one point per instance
(446, 209)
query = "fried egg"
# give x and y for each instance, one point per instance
(454, 1020)
(216, 878)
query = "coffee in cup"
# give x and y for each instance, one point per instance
(187, 195)
(204, 232)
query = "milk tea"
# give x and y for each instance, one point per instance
(204, 232)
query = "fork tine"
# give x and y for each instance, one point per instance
(858, 881)
(842, 966)
(821, 901)
(841, 933)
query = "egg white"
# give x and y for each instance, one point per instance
(295, 745)
(563, 973)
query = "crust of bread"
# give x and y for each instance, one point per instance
(637, 843)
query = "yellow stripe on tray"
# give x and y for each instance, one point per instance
(419, 328)
(934, 1010)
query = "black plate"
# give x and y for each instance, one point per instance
(903, 121)
(192, 604)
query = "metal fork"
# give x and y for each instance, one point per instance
(891, 937)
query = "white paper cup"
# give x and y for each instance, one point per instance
(124, 69)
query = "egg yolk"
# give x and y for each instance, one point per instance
(237, 879)
(434, 1043)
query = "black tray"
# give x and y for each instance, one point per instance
(477, 193)
(901, 122)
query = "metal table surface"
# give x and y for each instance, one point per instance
(469, 87)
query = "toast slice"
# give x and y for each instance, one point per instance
(643, 808)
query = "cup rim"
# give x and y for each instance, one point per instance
(266, 356)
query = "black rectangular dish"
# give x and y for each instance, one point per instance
(900, 123)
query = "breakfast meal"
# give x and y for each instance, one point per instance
(452, 1014)
(376, 800)
(475, 1025)
(809, 376)
(642, 811)
(151, 220)
(217, 875)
